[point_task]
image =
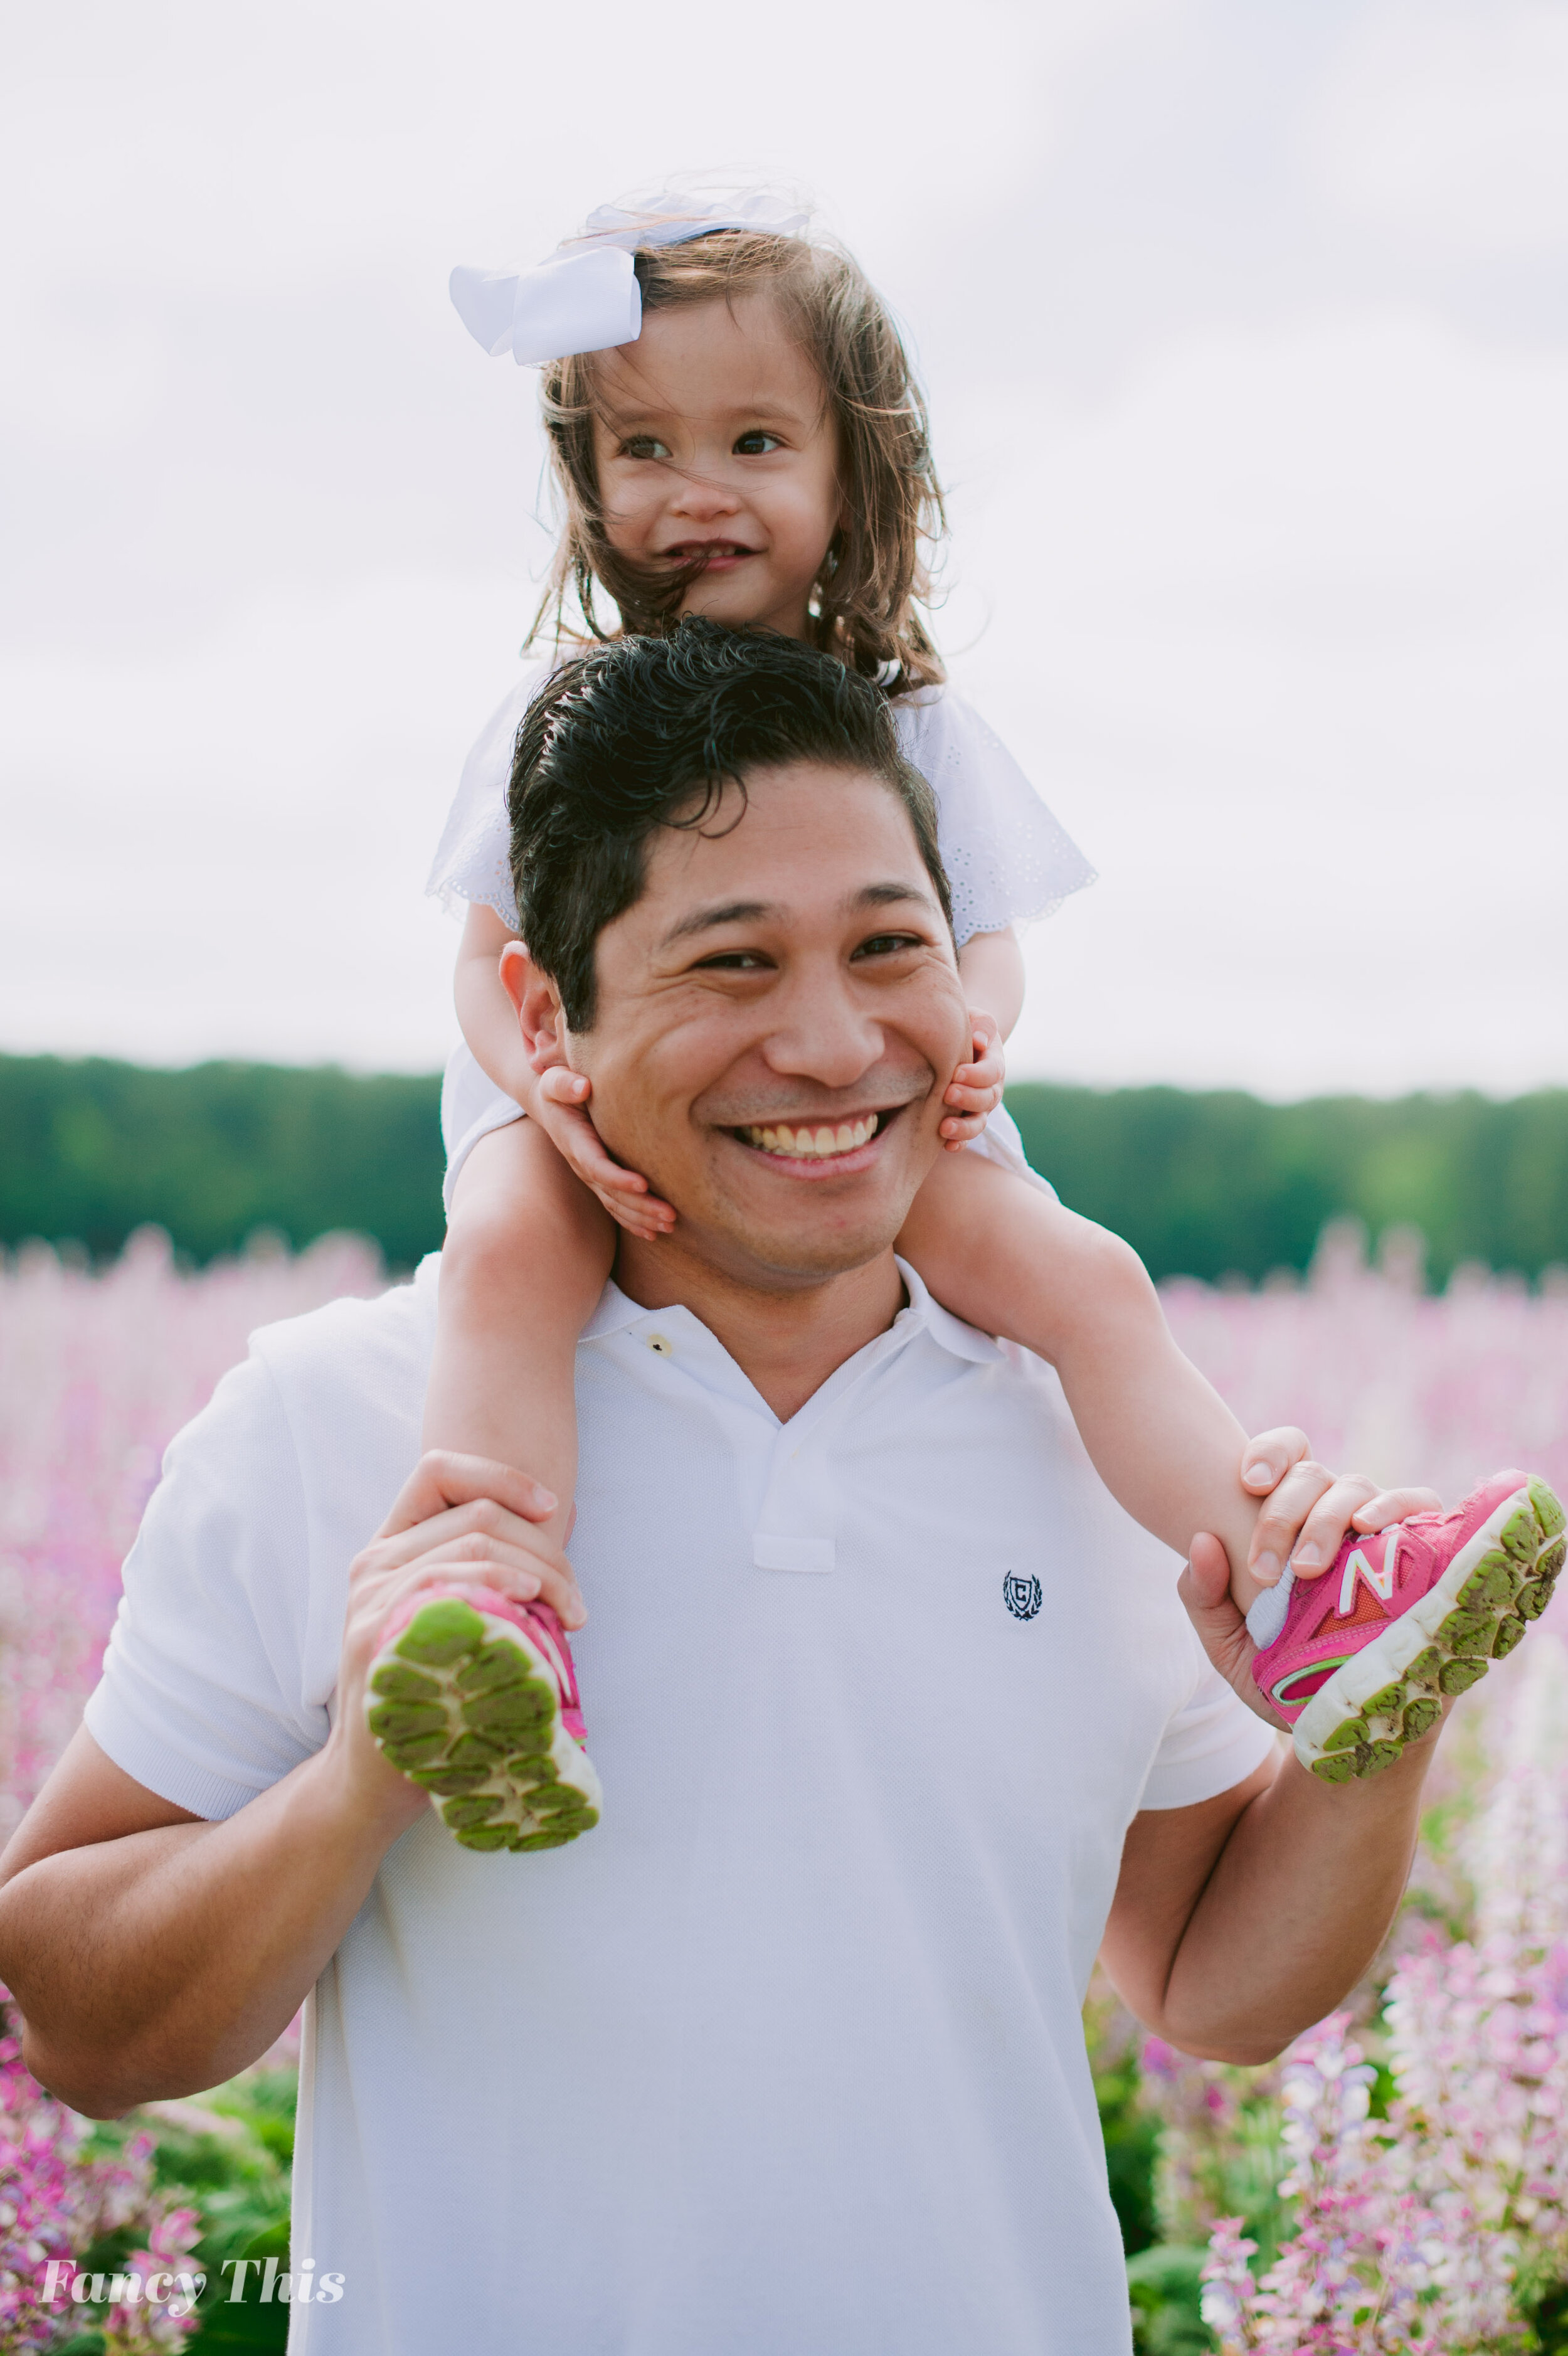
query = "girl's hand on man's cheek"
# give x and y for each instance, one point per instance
(975, 1089)
(561, 1107)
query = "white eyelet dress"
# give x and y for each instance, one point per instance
(1006, 860)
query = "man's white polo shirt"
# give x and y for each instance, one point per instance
(785, 2058)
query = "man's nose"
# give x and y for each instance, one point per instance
(822, 1033)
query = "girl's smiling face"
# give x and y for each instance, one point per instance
(713, 438)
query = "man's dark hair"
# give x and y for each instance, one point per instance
(647, 732)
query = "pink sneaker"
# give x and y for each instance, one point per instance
(1421, 1610)
(475, 1697)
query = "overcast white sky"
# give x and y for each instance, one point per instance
(1247, 331)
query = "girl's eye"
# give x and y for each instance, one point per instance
(642, 445)
(757, 444)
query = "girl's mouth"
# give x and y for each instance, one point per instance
(713, 555)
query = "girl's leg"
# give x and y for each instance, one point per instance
(527, 1251)
(1005, 1258)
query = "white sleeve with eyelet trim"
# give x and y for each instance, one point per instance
(472, 860)
(1007, 858)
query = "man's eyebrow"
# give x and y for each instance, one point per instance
(752, 911)
(723, 912)
(889, 895)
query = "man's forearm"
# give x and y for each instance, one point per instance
(1296, 1907)
(161, 1962)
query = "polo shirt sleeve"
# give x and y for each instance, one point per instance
(1211, 1742)
(202, 1695)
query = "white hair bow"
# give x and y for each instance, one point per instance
(586, 298)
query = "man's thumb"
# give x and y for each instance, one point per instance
(1208, 1573)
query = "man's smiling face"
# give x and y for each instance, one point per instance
(778, 1015)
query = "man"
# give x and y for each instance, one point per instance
(899, 1718)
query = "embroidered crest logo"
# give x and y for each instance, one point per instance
(1023, 1596)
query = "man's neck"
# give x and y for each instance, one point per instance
(787, 1340)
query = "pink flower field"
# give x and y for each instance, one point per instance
(1389, 1379)
(1399, 2182)
(97, 1374)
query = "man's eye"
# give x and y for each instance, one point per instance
(888, 944)
(642, 445)
(732, 961)
(757, 445)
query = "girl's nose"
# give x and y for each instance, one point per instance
(702, 496)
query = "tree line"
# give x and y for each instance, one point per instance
(1207, 1183)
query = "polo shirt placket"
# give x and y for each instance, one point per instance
(789, 1466)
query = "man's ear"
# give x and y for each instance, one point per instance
(537, 1002)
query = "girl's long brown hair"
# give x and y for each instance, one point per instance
(865, 601)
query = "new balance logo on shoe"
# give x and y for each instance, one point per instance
(1023, 1596)
(1379, 1580)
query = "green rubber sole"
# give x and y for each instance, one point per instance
(1392, 1692)
(466, 1707)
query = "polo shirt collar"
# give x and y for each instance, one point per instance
(618, 1315)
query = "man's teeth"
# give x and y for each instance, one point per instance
(814, 1144)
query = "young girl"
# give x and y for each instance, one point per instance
(735, 431)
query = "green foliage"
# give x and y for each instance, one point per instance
(1206, 1186)
(233, 2325)
(1132, 2144)
(94, 1149)
(1164, 2284)
(1545, 2306)
(1162, 2279)
(231, 2152)
(1203, 1184)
